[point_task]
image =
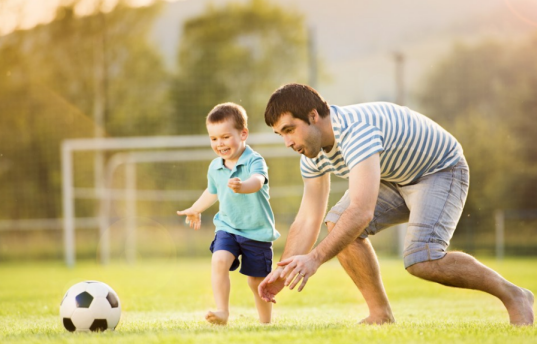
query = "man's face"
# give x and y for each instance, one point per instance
(302, 137)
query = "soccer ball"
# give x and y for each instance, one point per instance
(90, 306)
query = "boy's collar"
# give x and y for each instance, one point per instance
(242, 159)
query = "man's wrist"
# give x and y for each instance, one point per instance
(314, 254)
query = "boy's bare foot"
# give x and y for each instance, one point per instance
(217, 317)
(520, 307)
(378, 319)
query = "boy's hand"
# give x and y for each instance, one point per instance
(235, 184)
(193, 218)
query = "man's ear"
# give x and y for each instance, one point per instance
(313, 116)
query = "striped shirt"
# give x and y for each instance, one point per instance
(410, 144)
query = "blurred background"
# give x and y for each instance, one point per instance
(117, 69)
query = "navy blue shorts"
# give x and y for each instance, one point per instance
(256, 255)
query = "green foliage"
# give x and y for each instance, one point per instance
(48, 83)
(485, 95)
(240, 52)
(164, 302)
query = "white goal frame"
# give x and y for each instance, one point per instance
(130, 159)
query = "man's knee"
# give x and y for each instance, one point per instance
(421, 270)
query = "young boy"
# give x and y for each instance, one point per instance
(238, 179)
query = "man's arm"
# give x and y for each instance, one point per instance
(306, 227)
(364, 181)
(303, 232)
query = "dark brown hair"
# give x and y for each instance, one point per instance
(225, 111)
(297, 99)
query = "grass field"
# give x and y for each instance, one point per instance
(164, 302)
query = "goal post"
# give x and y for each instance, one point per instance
(132, 151)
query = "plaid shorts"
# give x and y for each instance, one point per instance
(432, 206)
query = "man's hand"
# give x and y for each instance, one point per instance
(193, 218)
(271, 285)
(235, 184)
(299, 268)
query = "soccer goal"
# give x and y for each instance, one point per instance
(133, 181)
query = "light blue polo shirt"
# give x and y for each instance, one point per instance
(248, 215)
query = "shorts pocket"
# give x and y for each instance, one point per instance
(268, 260)
(211, 248)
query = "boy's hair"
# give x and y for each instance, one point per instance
(297, 99)
(226, 111)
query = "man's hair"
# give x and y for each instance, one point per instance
(297, 99)
(229, 111)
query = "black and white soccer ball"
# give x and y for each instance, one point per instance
(90, 306)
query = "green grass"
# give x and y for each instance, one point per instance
(164, 302)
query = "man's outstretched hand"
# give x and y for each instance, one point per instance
(289, 272)
(272, 285)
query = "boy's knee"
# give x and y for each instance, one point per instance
(222, 261)
(253, 282)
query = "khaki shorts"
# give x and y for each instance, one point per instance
(432, 206)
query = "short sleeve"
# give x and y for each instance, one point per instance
(211, 185)
(359, 142)
(309, 169)
(258, 166)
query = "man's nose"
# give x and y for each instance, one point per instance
(288, 142)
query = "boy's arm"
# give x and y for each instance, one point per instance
(193, 214)
(250, 185)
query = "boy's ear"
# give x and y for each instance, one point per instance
(244, 134)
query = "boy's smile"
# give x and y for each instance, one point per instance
(227, 141)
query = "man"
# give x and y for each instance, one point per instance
(401, 167)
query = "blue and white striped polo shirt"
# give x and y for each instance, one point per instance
(410, 144)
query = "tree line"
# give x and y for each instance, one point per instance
(55, 78)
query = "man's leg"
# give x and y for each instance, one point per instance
(360, 262)
(436, 203)
(461, 270)
(359, 259)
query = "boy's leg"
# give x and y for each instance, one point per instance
(220, 264)
(256, 264)
(264, 309)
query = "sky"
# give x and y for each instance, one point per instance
(33, 12)
(25, 14)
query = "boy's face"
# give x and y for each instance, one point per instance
(227, 141)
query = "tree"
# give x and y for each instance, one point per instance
(485, 95)
(240, 52)
(47, 87)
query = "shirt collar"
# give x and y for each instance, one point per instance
(242, 159)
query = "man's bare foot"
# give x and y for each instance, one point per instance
(381, 320)
(217, 318)
(520, 307)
